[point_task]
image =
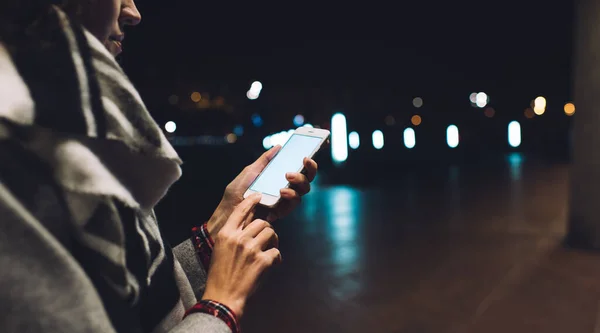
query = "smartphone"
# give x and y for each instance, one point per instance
(305, 142)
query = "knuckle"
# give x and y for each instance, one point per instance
(266, 224)
(238, 241)
(264, 261)
(260, 223)
(273, 259)
(248, 247)
(222, 235)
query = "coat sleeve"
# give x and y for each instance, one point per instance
(195, 255)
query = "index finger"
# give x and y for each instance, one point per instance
(242, 211)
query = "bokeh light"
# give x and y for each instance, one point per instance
(390, 120)
(267, 142)
(299, 120)
(452, 136)
(256, 86)
(231, 138)
(514, 134)
(539, 105)
(416, 120)
(196, 97)
(569, 109)
(257, 120)
(339, 138)
(173, 99)
(354, 140)
(254, 91)
(529, 113)
(473, 98)
(170, 127)
(410, 139)
(417, 102)
(378, 140)
(238, 130)
(482, 99)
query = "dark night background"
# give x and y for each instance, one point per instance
(399, 240)
(366, 59)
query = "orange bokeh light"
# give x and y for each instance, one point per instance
(569, 109)
(416, 120)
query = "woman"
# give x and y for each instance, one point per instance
(82, 165)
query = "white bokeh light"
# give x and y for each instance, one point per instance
(267, 142)
(482, 99)
(170, 127)
(409, 138)
(339, 138)
(452, 136)
(354, 140)
(473, 98)
(514, 134)
(256, 86)
(378, 140)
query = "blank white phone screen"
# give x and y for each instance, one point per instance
(289, 159)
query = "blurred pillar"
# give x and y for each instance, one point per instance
(584, 216)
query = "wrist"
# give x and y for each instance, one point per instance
(218, 310)
(237, 306)
(218, 219)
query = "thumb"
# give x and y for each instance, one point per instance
(265, 158)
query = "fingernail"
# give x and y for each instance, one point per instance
(256, 195)
(290, 176)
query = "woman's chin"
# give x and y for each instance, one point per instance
(114, 48)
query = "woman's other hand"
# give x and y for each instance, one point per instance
(290, 197)
(240, 256)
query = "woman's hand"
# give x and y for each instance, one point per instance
(240, 256)
(290, 197)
